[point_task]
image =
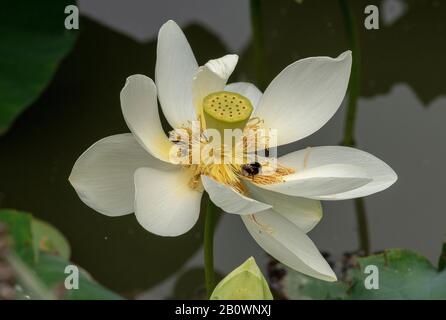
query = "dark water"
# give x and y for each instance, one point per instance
(401, 119)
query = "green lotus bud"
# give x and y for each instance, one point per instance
(244, 283)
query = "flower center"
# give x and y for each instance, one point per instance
(207, 148)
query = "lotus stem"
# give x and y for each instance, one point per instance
(209, 228)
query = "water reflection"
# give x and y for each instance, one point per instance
(392, 11)
(410, 50)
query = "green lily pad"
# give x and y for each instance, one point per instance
(403, 274)
(302, 287)
(47, 273)
(19, 228)
(34, 42)
(51, 270)
(48, 239)
(293, 285)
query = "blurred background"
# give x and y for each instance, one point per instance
(60, 91)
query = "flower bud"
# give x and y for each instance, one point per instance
(244, 283)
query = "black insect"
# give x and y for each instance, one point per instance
(174, 137)
(251, 169)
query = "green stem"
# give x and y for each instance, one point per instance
(257, 42)
(354, 85)
(208, 242)
(363, 230)
(350, 120)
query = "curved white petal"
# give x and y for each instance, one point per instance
(288, 244)
(381, 174)
(140, 110)
(321, 182)
(103, 175)
(174, 71)
(304, 96)
(223, 67)
(304, 213)
(212, 77)
(230, 200)
(164, 202)
(247, 90)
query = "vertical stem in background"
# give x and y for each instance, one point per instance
(361, 218)
(208, 243)
(354, 85)
(349, 130)
(257, 42)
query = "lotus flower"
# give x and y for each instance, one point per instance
(280, 204)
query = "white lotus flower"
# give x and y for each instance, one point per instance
(133, 172)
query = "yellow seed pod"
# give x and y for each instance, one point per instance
(226, 110)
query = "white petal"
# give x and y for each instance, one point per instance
(230, 200)
(288, 244)
(103, 175)
(140, 109)
(304, 96)
(247, 90)
(304, 213)
(321, 182)
(174, 71)
(212, 77)
(381, 174)
(224, 66)
(164, 203)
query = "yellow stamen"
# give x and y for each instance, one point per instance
(255, 137)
